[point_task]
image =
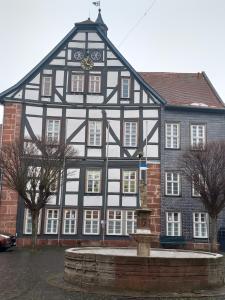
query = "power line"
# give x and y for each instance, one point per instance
(138, 22)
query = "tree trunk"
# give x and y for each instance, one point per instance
(34, 216)
(213, 234)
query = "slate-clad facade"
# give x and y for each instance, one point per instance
(85, 94)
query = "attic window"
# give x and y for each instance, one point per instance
(46, 86)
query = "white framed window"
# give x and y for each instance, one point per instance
(53, 130)
(129, 181)
(172, 183)
(198, 135)
(46, 86)
(130, 134)
(77, 83)
(70, 221)
(200, 225)
(27, 229)
(114, 222)
(94, 84)
(94, 133)
(131, 222)
(52, 220)
(172, 135)
(125, 87)
(173, 224)
(91, 222)
(93, 184)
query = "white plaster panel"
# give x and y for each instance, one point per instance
(36, 125)
(113, 99)
(155, 137)
(79, 137)
(109, 91)
(79, 149)
(112, 79)
(150, 113)
(52, 200)
(47, 71)
(129, 201)
(92, 36)
(19, 94)
(62, 53)
(114, 63)
(34, 110)
(136, 97)
(113, 200)
(94, 152)
(72, 186)
(115, 125)
(95, 98)
(113, 173)
(56, 98)
(113, 187)
(145, 97)
(54, 112)
(81, 113)
(60, 90)
(73, 63)
(131, 113)
(26, 134)
(36, 79)
(95, 113)
(72, 125)
(73, 173)
(96, 45)
(95, 72)
(92, 201)
(131, 151)
(110, 55)
(59, 78)
(74, 98)
(114, 151)
(29, 86)
(71, 199)
(69, 54)
(125, 73)
(59, 62)
(113, 113)
(32, 94)
(136, 85)
(76, 45)
(81, 36)
(152, 151)
(147, 127)
(99, 64)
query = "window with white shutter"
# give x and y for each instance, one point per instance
(130, 134)
(46, 86)
(94, 133)
(172, 135)
(77, 83)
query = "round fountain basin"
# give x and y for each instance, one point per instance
(120, 269)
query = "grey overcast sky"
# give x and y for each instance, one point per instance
(174, 36)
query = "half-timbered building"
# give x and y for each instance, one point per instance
(86, 94)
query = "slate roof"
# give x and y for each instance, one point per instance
(186, 89)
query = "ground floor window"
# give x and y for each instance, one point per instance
(130, 222)
(28, 222)
(121, 222)
(173, 224)
(91, 221)
(70, 221)
(52, 219)
(200, 225)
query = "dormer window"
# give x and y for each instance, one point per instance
(77, 83)
(125, 88)
(46, 86)
(94, 84)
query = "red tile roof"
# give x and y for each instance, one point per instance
(186, 89)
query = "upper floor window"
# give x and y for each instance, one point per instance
(129, 181)
(94, 133)
(173, 224)
(70, 221)
(172, 180)
(130, 134)
(93, 181)
(200, 225)
(46, 86)
(94, 84)
(172, 135)
(125, 88)
(198, 136)
(77, 83)
(91, 221)
(53, 130)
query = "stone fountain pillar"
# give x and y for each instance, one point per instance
(143, 235)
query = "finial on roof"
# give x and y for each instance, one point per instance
(101, 23)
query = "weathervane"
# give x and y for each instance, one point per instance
(97, 3)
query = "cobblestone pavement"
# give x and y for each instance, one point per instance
(27, 275)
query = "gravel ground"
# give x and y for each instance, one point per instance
(27, 275)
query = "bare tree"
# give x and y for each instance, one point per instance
(205, 169)
(33, 171)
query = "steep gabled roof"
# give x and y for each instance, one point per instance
(184, 89)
